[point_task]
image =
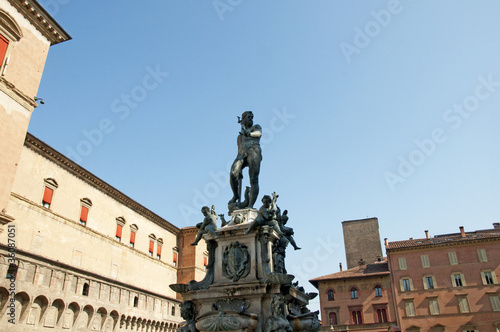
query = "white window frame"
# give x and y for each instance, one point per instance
(452, 256)
(425, 260)
(424, 281)
(494, 301)
(402, 284)
(481, 255)
(402, 263)
(493, 277)
(462, 278)
(410, 308)
(463, 304)
(434, 304)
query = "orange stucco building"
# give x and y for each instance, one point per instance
(357, 299)
(446, 282)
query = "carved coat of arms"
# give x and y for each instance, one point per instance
(236, 261)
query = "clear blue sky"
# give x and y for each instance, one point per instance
(370, 109)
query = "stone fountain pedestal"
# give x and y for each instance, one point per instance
(241, 290)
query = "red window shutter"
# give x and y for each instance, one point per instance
(132, 237)
(175, 257)
(158, 250)
(4, 43)
(47, 195)
(119, 230)
(84, 214)
(151, 246)
(205, 261)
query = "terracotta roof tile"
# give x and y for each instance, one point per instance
(379, 268)
(444, 239)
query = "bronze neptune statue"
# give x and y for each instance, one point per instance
(249, 155)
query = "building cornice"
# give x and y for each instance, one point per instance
(56, 157)
(4, 220)
(42, 20)
(189, 230)
(10, 90)
(465, 242)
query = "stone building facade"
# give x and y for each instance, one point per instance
(76, 254)
(443, 283)
(361, 241)
(26, 33)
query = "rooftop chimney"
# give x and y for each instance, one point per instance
(427, 234)
(340, 266)
(386, 242)
(462, 231)
(496, 225)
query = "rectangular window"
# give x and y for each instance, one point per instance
(463, 304)
(425, 260)
(132, 239)
(481, 254)
(47, 197)
(488, 278)
(119, 229)
(84, 213)
(402, 263)
(429, 283)
(409, 308)
(452, 256)
(495, 302)
(433, 306)
(151, 248)
(158, 251)
(458, 280)
(4, 43)
(406, 284)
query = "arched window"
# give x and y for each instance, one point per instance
(136, 301)
(9, 33)
(378, 290)
(173, 310)
(133, 231)
(85, 291)
(152, 240)
(330, 295)
(120, 222)
(333, 318)
(159, 245)
(354, 293)
(85, 205)
(382, 315)
(356, 317)
(50, 185)
(175, 257)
